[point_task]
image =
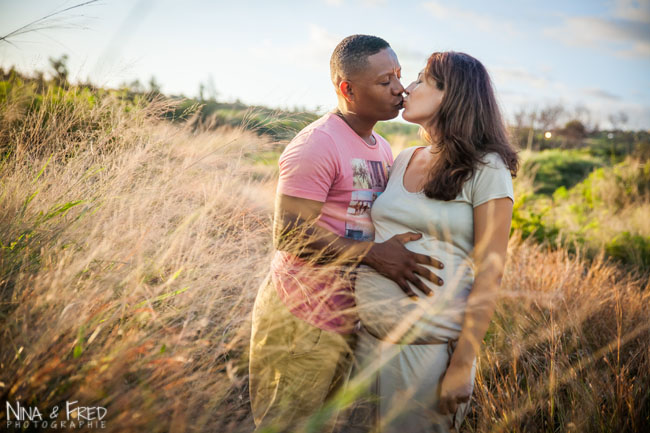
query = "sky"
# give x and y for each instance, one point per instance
(593, 54)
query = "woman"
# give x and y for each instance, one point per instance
(420, 354)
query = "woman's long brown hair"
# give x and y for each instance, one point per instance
(467, 125)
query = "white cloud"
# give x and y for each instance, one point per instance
(322, 38)
(597, 110)
(504, 75)
(601, 94)
(599, 103)
(633, 10)
(409, 55)
(638, 114)
(370, 3)
(464, 17)
(313, 52)
(626, 33)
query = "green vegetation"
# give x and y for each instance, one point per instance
(279, 125)
(25, 96)
(559, 168)
(602, 211)
(42, 117)
(617, 145)
(393, 129)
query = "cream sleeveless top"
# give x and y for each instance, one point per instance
(448, 235)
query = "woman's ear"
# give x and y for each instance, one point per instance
(346, 90)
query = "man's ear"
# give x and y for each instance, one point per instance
(346, 90)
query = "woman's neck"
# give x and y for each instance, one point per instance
(434, 140)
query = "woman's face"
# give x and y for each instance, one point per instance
(422, 100)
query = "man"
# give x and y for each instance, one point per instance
(303, 332)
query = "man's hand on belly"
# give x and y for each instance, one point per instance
(294, 231)
(394, 261)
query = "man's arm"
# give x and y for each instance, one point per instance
(295, 231)
(491, 232)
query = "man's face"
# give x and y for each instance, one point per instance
(377, 90)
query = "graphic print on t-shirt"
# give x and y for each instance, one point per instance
(366, 175)
(358, 224)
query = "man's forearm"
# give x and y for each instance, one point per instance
(310, 241)
(295, 231)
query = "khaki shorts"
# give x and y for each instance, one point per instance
(294, 367)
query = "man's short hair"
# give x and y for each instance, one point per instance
(351, 55)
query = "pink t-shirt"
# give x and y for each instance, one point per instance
(328, 162)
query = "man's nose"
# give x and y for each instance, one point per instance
(399, 89)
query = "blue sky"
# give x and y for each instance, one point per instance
(590, 53)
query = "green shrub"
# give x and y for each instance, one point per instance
(529, 217)
(630, 248)
(603, 212)
(556, 168)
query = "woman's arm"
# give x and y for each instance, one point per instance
(491, 232)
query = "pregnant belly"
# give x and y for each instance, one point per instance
(389, 314)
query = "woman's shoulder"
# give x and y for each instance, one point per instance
(491, 164)
(409, 150)
(492, 179)
(492, 160)
(404, 156)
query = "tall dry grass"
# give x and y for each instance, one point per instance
(128, 277)
(128, 274)
(568, 348)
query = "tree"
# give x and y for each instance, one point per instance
(574, 132)
(618, 119)
(583, 114)
(136, 86)
(211, 89)
(532, 118)
(549, 117)
(520, 118)
(60, 67)
(519, 126)
(201, 91)
(154, 86)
